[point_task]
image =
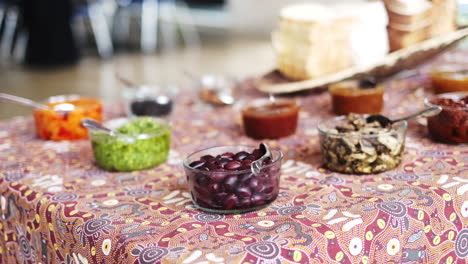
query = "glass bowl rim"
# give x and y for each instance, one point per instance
(403, 127)
(61, 98)
(236, 172)
(166, 126)
(427, 100)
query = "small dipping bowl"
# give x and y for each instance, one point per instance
(451, 124)
(217, 90)
(449, 79)
(140, 143)
(149, 101)
(231, 192)
(357, 153)
(358, 97)
(66, 125)
(264, 118)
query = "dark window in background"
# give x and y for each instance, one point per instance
(197, 3)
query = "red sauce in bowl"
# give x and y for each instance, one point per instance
(270, 120)
(450, 125)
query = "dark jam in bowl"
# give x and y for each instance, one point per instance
(220, 179)
(270, 119)
(450, 125)
(159, 106)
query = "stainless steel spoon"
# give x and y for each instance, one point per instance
(65, 107)
(256, 165)
(95, 125)
(385, 121)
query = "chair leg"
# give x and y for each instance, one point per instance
(19, 50)
(2, 14)
(149, 25)
(169, 28)
(188, 29)
(11, 21)
(100, 30)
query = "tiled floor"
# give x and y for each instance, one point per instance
(95, 77)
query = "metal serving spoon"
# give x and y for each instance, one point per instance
(385, 121)
(65, 107)
(93, 124)
(256, 165)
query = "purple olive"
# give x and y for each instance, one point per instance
(244, 203)
(219, 197)
(201, 179)
(213, 166)
(217, 176)
(257, 154)
(204, 168)
(206, 157)
(241, 156)
(201, 191)
(197, 164)
(258, 199)
(230, 182)
(268, 189)
(214, 187)
(233, 165)
(259, 188)
(246, 164)
(227, 155)
(204, 202)
(231, 201)
(254, 184)
(223, 162)
(244, 179)
(244, 192)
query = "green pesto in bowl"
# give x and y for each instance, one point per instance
(139, 144)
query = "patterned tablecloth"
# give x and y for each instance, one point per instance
(57, 207)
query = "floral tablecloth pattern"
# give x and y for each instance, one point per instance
(58, 207)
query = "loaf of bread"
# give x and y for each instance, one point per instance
(312, 40)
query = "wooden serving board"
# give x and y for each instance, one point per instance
(274, 83)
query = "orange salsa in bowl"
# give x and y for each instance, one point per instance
(66, 125)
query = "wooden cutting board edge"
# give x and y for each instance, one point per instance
(391, 64)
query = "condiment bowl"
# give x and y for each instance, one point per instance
(451, 124)
(217, 90)
(264, 118)
(145, 100)
(228, 191)
(361, 153)
(139, 143)
(66, 124)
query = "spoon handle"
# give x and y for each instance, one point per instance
(95, 125)
(22, 100)
(427, 112)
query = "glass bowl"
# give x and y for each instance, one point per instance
(149, 101)
(140, 143)
(451, 124)
(263, 118)
(358, 153)
(448, 79)
(360, 97)
(237, 191)
(65, 124)
(217, 90)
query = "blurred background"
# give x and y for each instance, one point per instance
(50, 47)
